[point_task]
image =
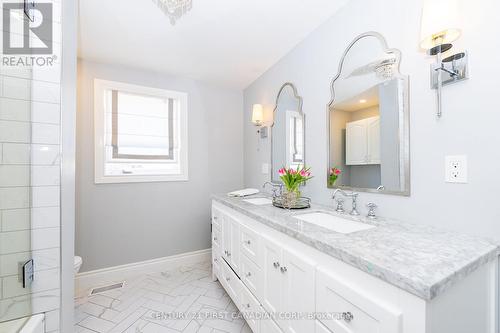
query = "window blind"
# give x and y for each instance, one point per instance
(141, 127)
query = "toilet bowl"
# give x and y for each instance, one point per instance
(78, 263)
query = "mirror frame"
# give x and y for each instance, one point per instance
(299, 99)
(404, 116)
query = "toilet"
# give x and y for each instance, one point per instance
(78, 263)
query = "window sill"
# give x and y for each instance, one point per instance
(140, 179)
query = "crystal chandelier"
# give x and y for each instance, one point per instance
(174, 9)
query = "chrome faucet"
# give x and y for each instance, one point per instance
(275, 188)
(353, 195)
(371, 210)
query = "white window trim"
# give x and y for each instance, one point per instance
(99, 133)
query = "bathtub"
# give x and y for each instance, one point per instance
(33, 324)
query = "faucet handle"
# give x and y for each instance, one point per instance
(340, 205)
(371, 210)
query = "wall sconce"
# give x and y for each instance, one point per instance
(440, 27)
(258, 119)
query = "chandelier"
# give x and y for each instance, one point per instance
(174, 9)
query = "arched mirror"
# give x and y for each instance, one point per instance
(368, 120)
(287, 131)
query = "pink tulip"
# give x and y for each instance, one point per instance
(337, 172)
(282, 171)
(293, 172)
(304, 173)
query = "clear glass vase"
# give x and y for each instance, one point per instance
(290, 198)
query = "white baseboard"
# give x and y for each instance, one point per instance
(116, 274)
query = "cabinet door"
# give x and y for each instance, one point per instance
(226, 237)
(373, 136)
(216, 237)
(251, 276)
(272, 289)
(234, 247)
(299, 291)
(364, 313)
(231, 283)
(356, 143)
(231, 241)
(250, 307)
(250, 244)
(216, 218)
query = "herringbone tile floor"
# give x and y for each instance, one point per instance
(182, 300)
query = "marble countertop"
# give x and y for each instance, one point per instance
(419, 259)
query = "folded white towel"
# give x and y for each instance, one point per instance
(243, 193)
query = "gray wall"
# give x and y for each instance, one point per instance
(469, 125)
(123, 223)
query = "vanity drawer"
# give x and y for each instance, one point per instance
(216, 237)
(217, 217)
(252, 310)
(230, 282)
(250, 244)
(361, 313)
(216, 259)
(251, 275)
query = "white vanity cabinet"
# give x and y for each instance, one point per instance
(304, 290)
(288, 285)
(231, 241)
(363, 141)
(357, 312)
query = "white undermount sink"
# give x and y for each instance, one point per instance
(334, 223)
(259, 201)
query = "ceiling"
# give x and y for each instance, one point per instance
(226, 42)
(366, 99)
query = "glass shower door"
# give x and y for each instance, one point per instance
(29, 173)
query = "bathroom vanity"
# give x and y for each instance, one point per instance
(319, 271)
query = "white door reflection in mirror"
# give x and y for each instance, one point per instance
(287, 131)
(295, 139)
(368, 119)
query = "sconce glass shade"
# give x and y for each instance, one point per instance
(257, 114)
(441, 23)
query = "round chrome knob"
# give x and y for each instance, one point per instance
(276, 264)
(248, 242)
(347, 316)
(248, 274)
(283, 269)
(228, 279)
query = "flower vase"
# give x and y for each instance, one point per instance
(290, 198)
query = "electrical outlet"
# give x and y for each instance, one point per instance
(265, 168)
(456, 169)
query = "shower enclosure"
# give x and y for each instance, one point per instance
(30, 113)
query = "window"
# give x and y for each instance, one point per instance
(294, 139)
(140, 133)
